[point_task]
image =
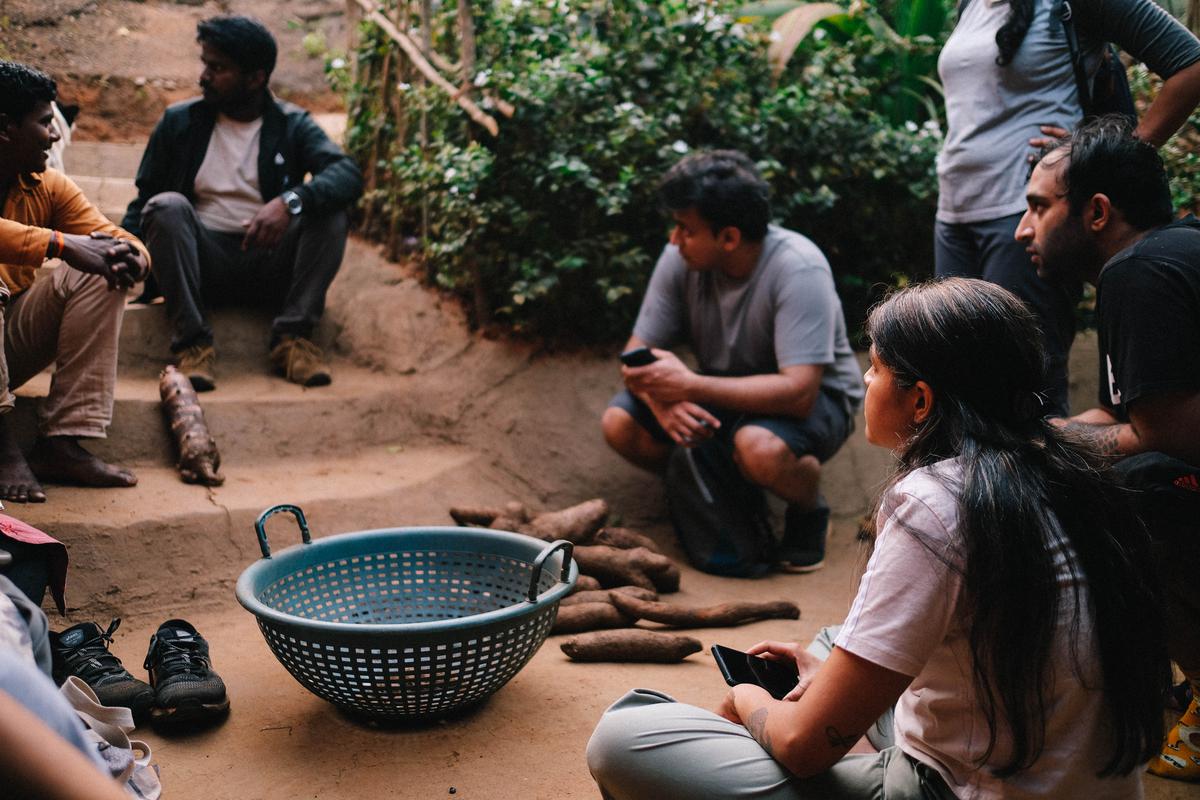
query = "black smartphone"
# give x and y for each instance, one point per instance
(638, 357)
(736, 667)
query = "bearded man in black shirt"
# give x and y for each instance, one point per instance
(1099, 209)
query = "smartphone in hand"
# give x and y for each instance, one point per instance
(638, 357)
(737, 667)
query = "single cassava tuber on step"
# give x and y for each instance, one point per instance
(632, 645)
(199, 460)
(589, 617)
(722, 615)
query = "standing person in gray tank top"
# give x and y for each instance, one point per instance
(1009, 82)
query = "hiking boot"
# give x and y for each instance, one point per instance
(186, 688)
(300, 361)
(803, 546)
(82, 650)
(199, 364)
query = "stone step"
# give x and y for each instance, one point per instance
(103, 160)
(253, 415)
(165, 542)
(110, 195)
(241, 337)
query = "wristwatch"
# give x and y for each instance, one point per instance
(293, 202)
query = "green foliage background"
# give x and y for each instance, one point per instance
(553, 227)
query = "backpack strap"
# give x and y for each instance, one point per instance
(1081, 80)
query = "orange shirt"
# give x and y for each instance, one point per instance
(38, 204)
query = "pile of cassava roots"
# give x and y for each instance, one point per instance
(621, 575)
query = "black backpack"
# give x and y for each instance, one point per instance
(720, 517)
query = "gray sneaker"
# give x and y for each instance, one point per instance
(187, 690)
(82, 650)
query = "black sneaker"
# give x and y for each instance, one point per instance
(186, 688)
(804, 532)
(82, 650)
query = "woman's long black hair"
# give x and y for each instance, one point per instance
(1012, 32)
(977, 347)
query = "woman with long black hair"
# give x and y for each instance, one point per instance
(1009, 81)
(1006, 610)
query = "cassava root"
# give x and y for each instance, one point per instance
(631, 645)
(589, 617)
(199, 459)
(603, 595)
(721, 615)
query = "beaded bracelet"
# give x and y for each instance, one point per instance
(57, 244)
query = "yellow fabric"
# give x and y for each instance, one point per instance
(36, 205)
(1180, 757)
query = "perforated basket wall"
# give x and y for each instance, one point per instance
(405, 623)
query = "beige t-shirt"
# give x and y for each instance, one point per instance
(227, 191)
(908, 617)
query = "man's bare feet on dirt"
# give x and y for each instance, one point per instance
(17, 482)
(61, 459)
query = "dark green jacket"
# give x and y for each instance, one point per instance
(291, 146)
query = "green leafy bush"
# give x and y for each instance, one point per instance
(1180, 152)
(553, 226)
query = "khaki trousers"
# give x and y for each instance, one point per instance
(69, 319)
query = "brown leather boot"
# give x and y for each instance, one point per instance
(300, 361)
(199, 364)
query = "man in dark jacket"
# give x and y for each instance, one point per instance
(226, 212)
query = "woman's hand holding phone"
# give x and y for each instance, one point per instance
(807, 665)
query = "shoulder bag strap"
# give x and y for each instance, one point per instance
(1081, 81)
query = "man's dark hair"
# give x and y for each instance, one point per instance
(244, 39)
(725, 189)
(1105, 158)
(22, 88)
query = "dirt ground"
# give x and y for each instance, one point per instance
(527, 416)
(122, 61)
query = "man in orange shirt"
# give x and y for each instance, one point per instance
(72, 317)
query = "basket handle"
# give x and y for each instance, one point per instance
(539, 562)
(260, 526)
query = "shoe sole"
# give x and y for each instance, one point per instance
(800, 569)
(189, 712)
(202, 383)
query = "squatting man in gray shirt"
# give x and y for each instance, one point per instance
(756, 305)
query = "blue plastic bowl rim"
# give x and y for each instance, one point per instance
(251, 603)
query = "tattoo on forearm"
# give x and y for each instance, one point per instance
(1103, 436)
(757, 725)
(837, 740)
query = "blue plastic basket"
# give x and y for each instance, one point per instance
(406, 623)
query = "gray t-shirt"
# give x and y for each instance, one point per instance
(784, 314)
(992, 111)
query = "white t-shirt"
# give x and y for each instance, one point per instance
(908, 617)
(227, 191)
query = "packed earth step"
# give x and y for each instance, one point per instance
(164, 541)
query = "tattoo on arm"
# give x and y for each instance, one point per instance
(1103, 436)
(837, 740)
(757, 725)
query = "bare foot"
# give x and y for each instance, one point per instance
(17, 483)
(61, 459)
